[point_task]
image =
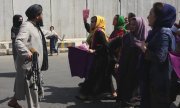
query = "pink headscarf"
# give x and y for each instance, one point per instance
(142, 28)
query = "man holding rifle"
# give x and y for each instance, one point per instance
(30, 40)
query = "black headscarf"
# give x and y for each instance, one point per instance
(16, 21)
(33, 11)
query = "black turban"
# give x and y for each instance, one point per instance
(33, 11)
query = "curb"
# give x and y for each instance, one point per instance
(3, 52)
(6, 47)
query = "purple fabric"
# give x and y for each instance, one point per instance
(142, 28)
(80, 62)
(175, 61)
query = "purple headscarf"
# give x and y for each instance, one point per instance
(165, 19)
(167, 16)
(142, 28)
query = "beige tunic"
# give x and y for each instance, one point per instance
(29, 37)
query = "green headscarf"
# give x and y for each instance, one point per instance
(120, 23)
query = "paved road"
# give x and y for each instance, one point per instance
(60, 87)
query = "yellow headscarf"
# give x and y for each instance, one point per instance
(100, 24)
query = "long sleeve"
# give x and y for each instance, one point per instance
(87, 27)
(22, 40)
(115, 43)
(48, 33)
(160, 51)
(13, 35)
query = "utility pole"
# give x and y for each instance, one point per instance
(13, 7)
(86, 4)
(86, 8)
(51, 11)
(120, 6)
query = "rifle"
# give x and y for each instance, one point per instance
(35, 74)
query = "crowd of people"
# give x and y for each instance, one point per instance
(135, 55)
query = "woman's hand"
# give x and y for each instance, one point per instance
(91, 50)
(142, 45)
(85, 14)
(116, 66)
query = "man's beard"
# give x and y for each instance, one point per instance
(40, 23)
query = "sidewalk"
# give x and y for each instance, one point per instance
(6, 47)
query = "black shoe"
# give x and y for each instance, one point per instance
(82, 97)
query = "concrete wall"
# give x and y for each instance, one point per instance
(142, 7)
(66, 15)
